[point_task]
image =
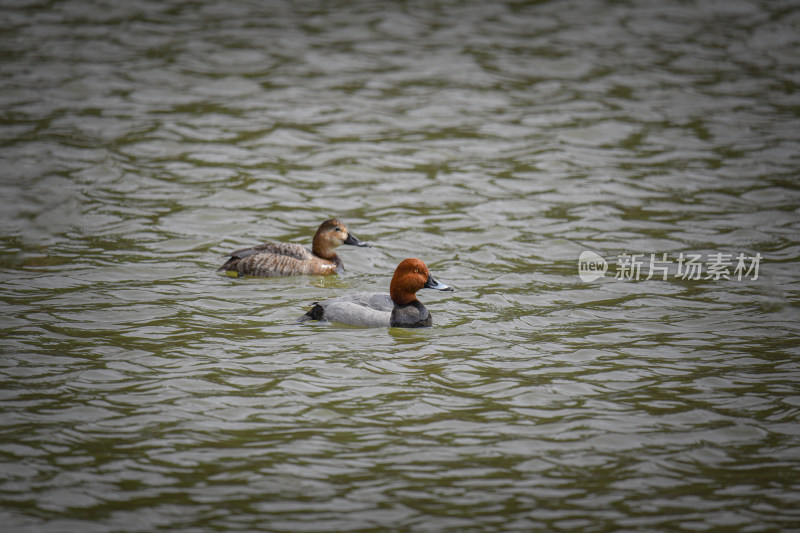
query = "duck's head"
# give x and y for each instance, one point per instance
(410, 276)
(331, 234)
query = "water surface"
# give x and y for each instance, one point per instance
(142, 141)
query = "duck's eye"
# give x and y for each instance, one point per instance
(337, 228)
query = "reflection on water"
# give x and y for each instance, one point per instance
(142, 141)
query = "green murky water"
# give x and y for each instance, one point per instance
(140, 141)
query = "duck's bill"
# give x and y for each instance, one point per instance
(433, 283)
(352, 239)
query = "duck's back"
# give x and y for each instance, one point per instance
(276, 259)
(289, 249)
(364, 309)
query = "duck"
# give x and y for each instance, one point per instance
(400, 308)
(273, 259)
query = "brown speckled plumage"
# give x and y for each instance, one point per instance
(287, 259)
(278, 259)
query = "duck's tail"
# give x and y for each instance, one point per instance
(315, 313)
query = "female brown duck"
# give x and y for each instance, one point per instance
(288, 259)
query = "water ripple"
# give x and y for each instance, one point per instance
(143, 141)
